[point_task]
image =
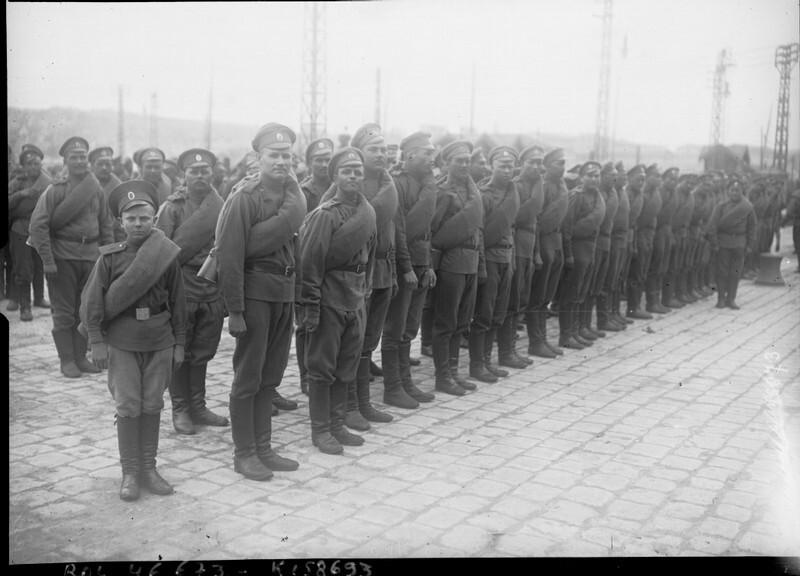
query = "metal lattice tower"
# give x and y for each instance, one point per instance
(785, 58)
(120, 124)
(154, 119)
(721, 92)
(600, 151)
(313, 121)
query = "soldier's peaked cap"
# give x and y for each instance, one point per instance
(75, 143)
(275, 136)
(196, 156)
(348, 156)
(132, 193)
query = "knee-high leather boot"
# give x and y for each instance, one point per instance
(319, 409)
(179, 397)
(477, 359)
(128, 443)
(365, 407)
(151, 480)
(262, 425)
(404, 367)
(245, 458)
(200, 413)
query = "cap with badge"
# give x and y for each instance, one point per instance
(132, 193)
(670, 171)
(319, 147)
(151, 153)
(30, 151)
(74, 144)
(554, 155)
(503, 153)
(608, 168)
(196, 156)
(344, 157)
(476, 154)
(589, 166)
(416, 140)
(101, 152)
(456, 148)
(653, 170)
(531, 152)
(636, 169)
(370, 133)
(274, 136)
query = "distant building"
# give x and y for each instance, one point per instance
(734, 158)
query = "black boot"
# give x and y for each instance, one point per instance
(201, 415)
(506, 353)
(565, 327)
(353, 418)
(634, 304)
(584, 314)
(477, 366)
(262, 422)
(179, 396)
(128, 443)
(591, 301)
(536, 344)
(148, 446)
(453, 363)
(365, 407)
(66, 353)
(245, 457)
(404, 368)
(394, 394)
(24, 295)
(605, 319)
(80, 346)
(374, 369)
(543, 316)
(338, 411)
(319, 410)
(282, 403)
(300, 350)
(488, 347)
(443, 376)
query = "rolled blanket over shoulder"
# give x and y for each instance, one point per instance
(418, 219)
(731, 219)
(198, 229)
(589, 225)
(384, 202)
(23, 207)
(351, 235)
(463, 224)
(498, 223)
(530, 207)
(75, 202)
(269, 235)
(553, 215)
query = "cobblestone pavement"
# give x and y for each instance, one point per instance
(679, 436)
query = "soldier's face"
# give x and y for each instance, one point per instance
(591, 180)
(555, 168)
(375, 155)
(503, 169)
(33, 167)
(637, 179)
(735, 192)
(420, 161)
(653, 180)
(478, 168)
(458, 166)
(607, 178)
(77, 163)
(198, 177)
(531, 167)
(275, 164)
(620, 180)
(392, 156)
(319, 166)
(671, 178)
(152, 170)
(137, 221)
(102, 169)
(350, 179)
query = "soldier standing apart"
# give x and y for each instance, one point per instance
(23, 194)
(545, 281)
(134, 312)
(500, 208)
(255, 254)
(189, 218)
(456, 256)
(416, 191)
(69, 220)
(526, 253)
(579, 230)
(608, 316)
(602, 254)
(318, 156)
(337, 250)
(732, 233)
(101, 160)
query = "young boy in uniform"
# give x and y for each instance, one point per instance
(134, 310)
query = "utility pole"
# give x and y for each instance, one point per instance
(721, 92)
(600, 150)
(378, 96)
(785, 58)
(472, 106)
(120, 124)
(208, 116)
(616, 102)
(154, 119)
(764, 137)
(313, 121)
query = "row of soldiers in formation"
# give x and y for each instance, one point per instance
(454, 242)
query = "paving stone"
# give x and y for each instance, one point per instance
(441, 517)
(595, 497)
(570, 512)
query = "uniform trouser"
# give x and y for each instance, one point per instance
(377, 307)
(204, 322)
(546, 279)
(454, 303)
(659, 261)
(405, 314)
(575, 281)
(796, 238)
(65, 292)
(300, 338)
(616, 261)
(675, 265)
(599, 271)
(333, 350)
(491, 304)
(137, 380)
(728, 268)
(260, 357)
(27, 265)
(518, 297)
(426, 325)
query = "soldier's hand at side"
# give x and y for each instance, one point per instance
(178, 355)
(537, 262)
(100, 355)
(395, 288)
(410, 279)
(429, 278)
(311, 321)
(50, 271)
(236, 324)
(482, 276)
(569, 262)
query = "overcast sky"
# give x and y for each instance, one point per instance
(536, 63)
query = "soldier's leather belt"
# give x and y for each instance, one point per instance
(357, 268)
(144, 312)
(77, 240)
(382, 255)
(271, 269)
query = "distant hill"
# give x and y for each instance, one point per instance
(49, 128)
